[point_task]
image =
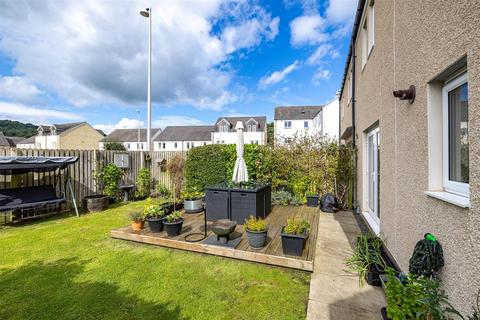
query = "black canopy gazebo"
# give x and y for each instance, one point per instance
(33, 197)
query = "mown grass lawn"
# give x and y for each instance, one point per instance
(69, 268)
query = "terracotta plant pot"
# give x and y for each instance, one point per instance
(137, 225)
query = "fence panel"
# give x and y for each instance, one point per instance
(83, 173)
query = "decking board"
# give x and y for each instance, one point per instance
(271, 254)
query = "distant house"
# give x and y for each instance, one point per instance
(183, 138)
(255, 131)
(132, 139)
(76, 135)
(310, 120)
(9, 141)
(28, 143)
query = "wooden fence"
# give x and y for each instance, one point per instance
(83, 173)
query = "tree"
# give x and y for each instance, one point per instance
(270, 133)
(114, 145)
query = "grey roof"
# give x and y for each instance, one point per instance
(9, 141)
(130, 135)
(297, 112)
(186, 133)
(261, 121)
(61, 127)
(27, 141)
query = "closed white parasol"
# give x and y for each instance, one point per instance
(240, 173)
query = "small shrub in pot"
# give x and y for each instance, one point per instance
(192, 200)
(312, 199)
(294, 234)
(256, 229)
(173, 223)
(155, 215)
(138, 220)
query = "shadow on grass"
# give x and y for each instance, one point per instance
(49, 291)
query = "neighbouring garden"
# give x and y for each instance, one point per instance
(67, 267)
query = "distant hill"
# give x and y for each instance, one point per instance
(17, 129)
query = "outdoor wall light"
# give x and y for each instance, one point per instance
(408, 94)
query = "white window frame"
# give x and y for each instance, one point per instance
(288, 124)
(175, 145)
(371, 26)
(305, 124)
(459, 188)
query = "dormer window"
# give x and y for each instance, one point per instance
(223, 128)
(251, 128)
(53, 131)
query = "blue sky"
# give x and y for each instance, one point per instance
(86, 60)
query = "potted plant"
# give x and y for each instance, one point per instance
(312, 199)
(256, 229)
(173, 223)
(367, 259)
(192, 200)
(138, 220)
(294, 234)
(155, 214)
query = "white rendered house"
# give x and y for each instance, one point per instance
(182, 138)
(306, 120)
(132, 139)
(255, 130)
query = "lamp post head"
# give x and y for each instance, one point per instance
(145, 13)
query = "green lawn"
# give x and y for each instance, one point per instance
(69, 268)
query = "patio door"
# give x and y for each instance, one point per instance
(373, 179)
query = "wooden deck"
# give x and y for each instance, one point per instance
(271, 254)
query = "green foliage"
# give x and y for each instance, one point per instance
(17, 129)
(144, 183)
(311, 194)
(366, 252)
(175, 216)
(192, 194)
(162, 190)
(152, 209)
(206, 165)
(114, 145)
(296, 225)
(255, 224)
(427, 257)
(110, 176)
(285, 198)
(416, 298)
(136, 216)
(270, 133)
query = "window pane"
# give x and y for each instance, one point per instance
(458, 134)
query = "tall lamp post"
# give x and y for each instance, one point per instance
(147, 13)
(138, 128)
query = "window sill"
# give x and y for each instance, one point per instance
(451, 198)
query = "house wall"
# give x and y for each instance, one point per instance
(231, 137)
(47, 142)
(83, 137)
(414, 42)
(297, 128)
(26, 146)
(181, 145)
(330, 119)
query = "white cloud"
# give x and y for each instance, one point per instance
(310, 29)
(23, 113)
(93, 52)
(124, 123)
(18, 89)
(316, 57)
(278, 76)
(321, 74)
(341, 11)
(165, 121)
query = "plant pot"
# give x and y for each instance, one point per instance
(312, 201)
(193, 205)
(173, 228)
(373, 275)
(292, 244)
(256, 239)
(155, 224)
(95, 203)
(138, 225)
(383, 311)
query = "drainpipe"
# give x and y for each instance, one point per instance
(354, 191)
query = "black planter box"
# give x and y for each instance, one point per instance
(312, 201)
(373, 275)
(174, 228)
(292, 244)
(237, 204)
(155, 225)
